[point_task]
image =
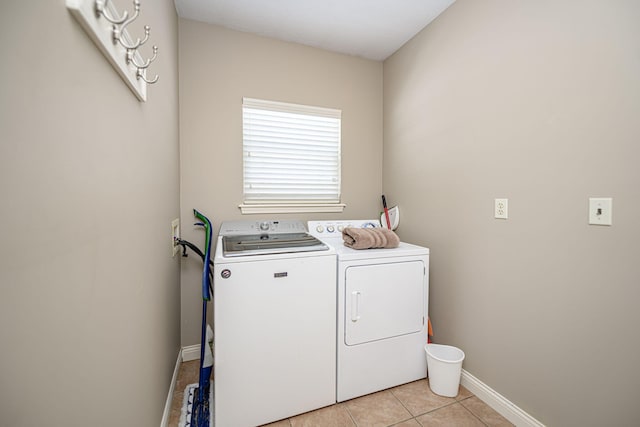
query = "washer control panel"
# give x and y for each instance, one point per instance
(235, 228)
(334, 228)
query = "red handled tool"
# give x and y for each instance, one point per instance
(386, 212)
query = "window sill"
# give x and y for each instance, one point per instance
(291, 208)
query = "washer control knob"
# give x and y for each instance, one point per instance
(264, 225)
(319, 229)
(340, 228)
(331, 229)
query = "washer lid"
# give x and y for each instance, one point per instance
(263, 244)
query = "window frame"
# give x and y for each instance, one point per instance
(249, 206)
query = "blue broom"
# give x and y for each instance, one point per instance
(201, 411)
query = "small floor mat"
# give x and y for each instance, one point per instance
(187, 405)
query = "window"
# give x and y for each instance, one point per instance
(291, 158)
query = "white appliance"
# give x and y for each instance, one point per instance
(383, 297)
(274, 323)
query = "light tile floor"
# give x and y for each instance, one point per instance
(408, 405)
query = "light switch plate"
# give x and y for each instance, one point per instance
(600, 210)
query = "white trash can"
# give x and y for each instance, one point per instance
(444, 364)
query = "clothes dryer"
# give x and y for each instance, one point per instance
(382, 316)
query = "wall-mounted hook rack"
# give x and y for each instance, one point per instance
(101, 11)
(141, 74)
(131, 58)
(108, 30)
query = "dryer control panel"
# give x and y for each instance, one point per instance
(334, 228)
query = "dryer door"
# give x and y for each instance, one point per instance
(383, 301)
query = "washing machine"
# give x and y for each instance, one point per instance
(382, 312)
(274, 322)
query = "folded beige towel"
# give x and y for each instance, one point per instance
(368, 238)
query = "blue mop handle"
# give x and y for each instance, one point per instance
(201, 409)
(206, 281)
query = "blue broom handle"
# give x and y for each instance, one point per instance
(206, 296)
(206, 281)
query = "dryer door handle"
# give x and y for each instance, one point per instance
(355, 306)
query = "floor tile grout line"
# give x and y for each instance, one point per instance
(390, 425)
(403, 405)
(399, 401)
(350, 416)
(437, 409)
(451, 404)
(432, 410)
(472, 413)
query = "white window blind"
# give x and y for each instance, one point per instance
(291, 153)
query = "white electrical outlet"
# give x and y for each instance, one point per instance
(175, 236)
(600, 210)
(501, 208)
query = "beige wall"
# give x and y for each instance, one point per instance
(89, 181)
(537, 102)
(217, 68)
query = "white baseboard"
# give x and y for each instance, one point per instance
(191, 352)
(167, 405)
(498, 402)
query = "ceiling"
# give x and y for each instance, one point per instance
(372, 29)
